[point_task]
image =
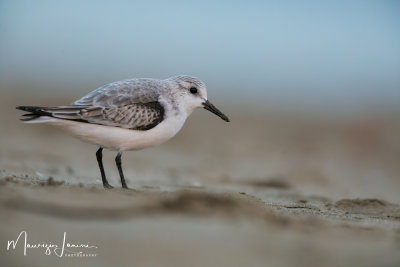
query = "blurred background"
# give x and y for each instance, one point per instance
(334, 57)
(312, 89)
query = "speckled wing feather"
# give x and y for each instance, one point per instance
(138, 116)
(130, 104)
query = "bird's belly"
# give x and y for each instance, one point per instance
(116, 138)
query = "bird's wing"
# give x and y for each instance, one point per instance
(137, 116)
(131, 104)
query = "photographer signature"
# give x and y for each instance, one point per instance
(68, 249)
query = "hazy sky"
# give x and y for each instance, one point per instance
(326, 54)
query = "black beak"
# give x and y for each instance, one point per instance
(210, 107)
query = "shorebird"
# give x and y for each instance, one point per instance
(131, 114)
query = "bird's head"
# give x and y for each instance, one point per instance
(192, 94)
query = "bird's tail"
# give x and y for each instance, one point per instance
(60, 112)
(34, 112)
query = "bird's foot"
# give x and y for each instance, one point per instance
(107, 186)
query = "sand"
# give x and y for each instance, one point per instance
(262, 190)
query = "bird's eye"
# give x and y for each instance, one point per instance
(193, 90)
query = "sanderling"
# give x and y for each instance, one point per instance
(126, 115)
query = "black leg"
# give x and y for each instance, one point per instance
(121, 174)
(99, 156)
